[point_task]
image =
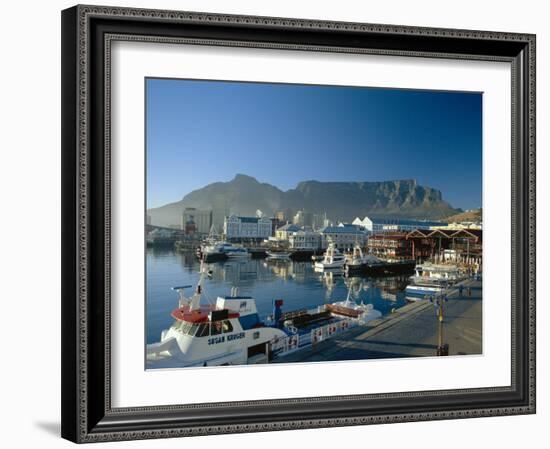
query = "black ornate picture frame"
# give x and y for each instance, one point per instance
(87, 34)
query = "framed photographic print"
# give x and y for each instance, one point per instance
(283, 223)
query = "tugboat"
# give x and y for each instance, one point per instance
(230, 332)
(331, 259)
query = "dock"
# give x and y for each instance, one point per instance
(410, 331)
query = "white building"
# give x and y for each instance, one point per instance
(306, 240)
(377, 225)
(284, 232)
(344, 236)
(235, 227)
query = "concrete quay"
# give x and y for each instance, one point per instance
(411, 331)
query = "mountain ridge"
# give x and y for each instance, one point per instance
(341, 200)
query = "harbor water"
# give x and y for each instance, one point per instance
(297, 283)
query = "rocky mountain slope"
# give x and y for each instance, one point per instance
(344, 201)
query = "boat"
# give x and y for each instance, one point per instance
(236, 252)
(221, 251)
(358, 262)
(282, 255)
(331, 259)
(230, 331)
(351, 308)
(432, 279)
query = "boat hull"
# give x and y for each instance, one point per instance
(329, 266)
(381, 269)
(214, 257)
(422, 291)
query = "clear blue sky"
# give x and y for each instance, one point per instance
(199, 132)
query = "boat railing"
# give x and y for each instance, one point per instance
(287, 345)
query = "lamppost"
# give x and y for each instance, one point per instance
(438, 302)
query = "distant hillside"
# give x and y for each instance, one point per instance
(474, 215)
(244, 195)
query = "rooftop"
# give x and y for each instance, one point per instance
(249, 219)
(289, 227)
(401, 221)
(342, 230)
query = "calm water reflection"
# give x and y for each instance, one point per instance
(295, 282)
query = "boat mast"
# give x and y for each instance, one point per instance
(196, 298)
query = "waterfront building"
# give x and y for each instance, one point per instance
(393, 246)
(246, 228)
(459, 226)
(201, 218)
(275, 224)
(424, 244)
(467, 244)
(377, 225)
(284, 232)
(343, 236)
(306, 240)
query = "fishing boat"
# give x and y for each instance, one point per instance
(230, 331)
(331, 259)
(431, 279)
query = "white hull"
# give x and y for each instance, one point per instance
(421, 290)
(329, 265)
(282, 256)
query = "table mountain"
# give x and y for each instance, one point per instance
(343, 201)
